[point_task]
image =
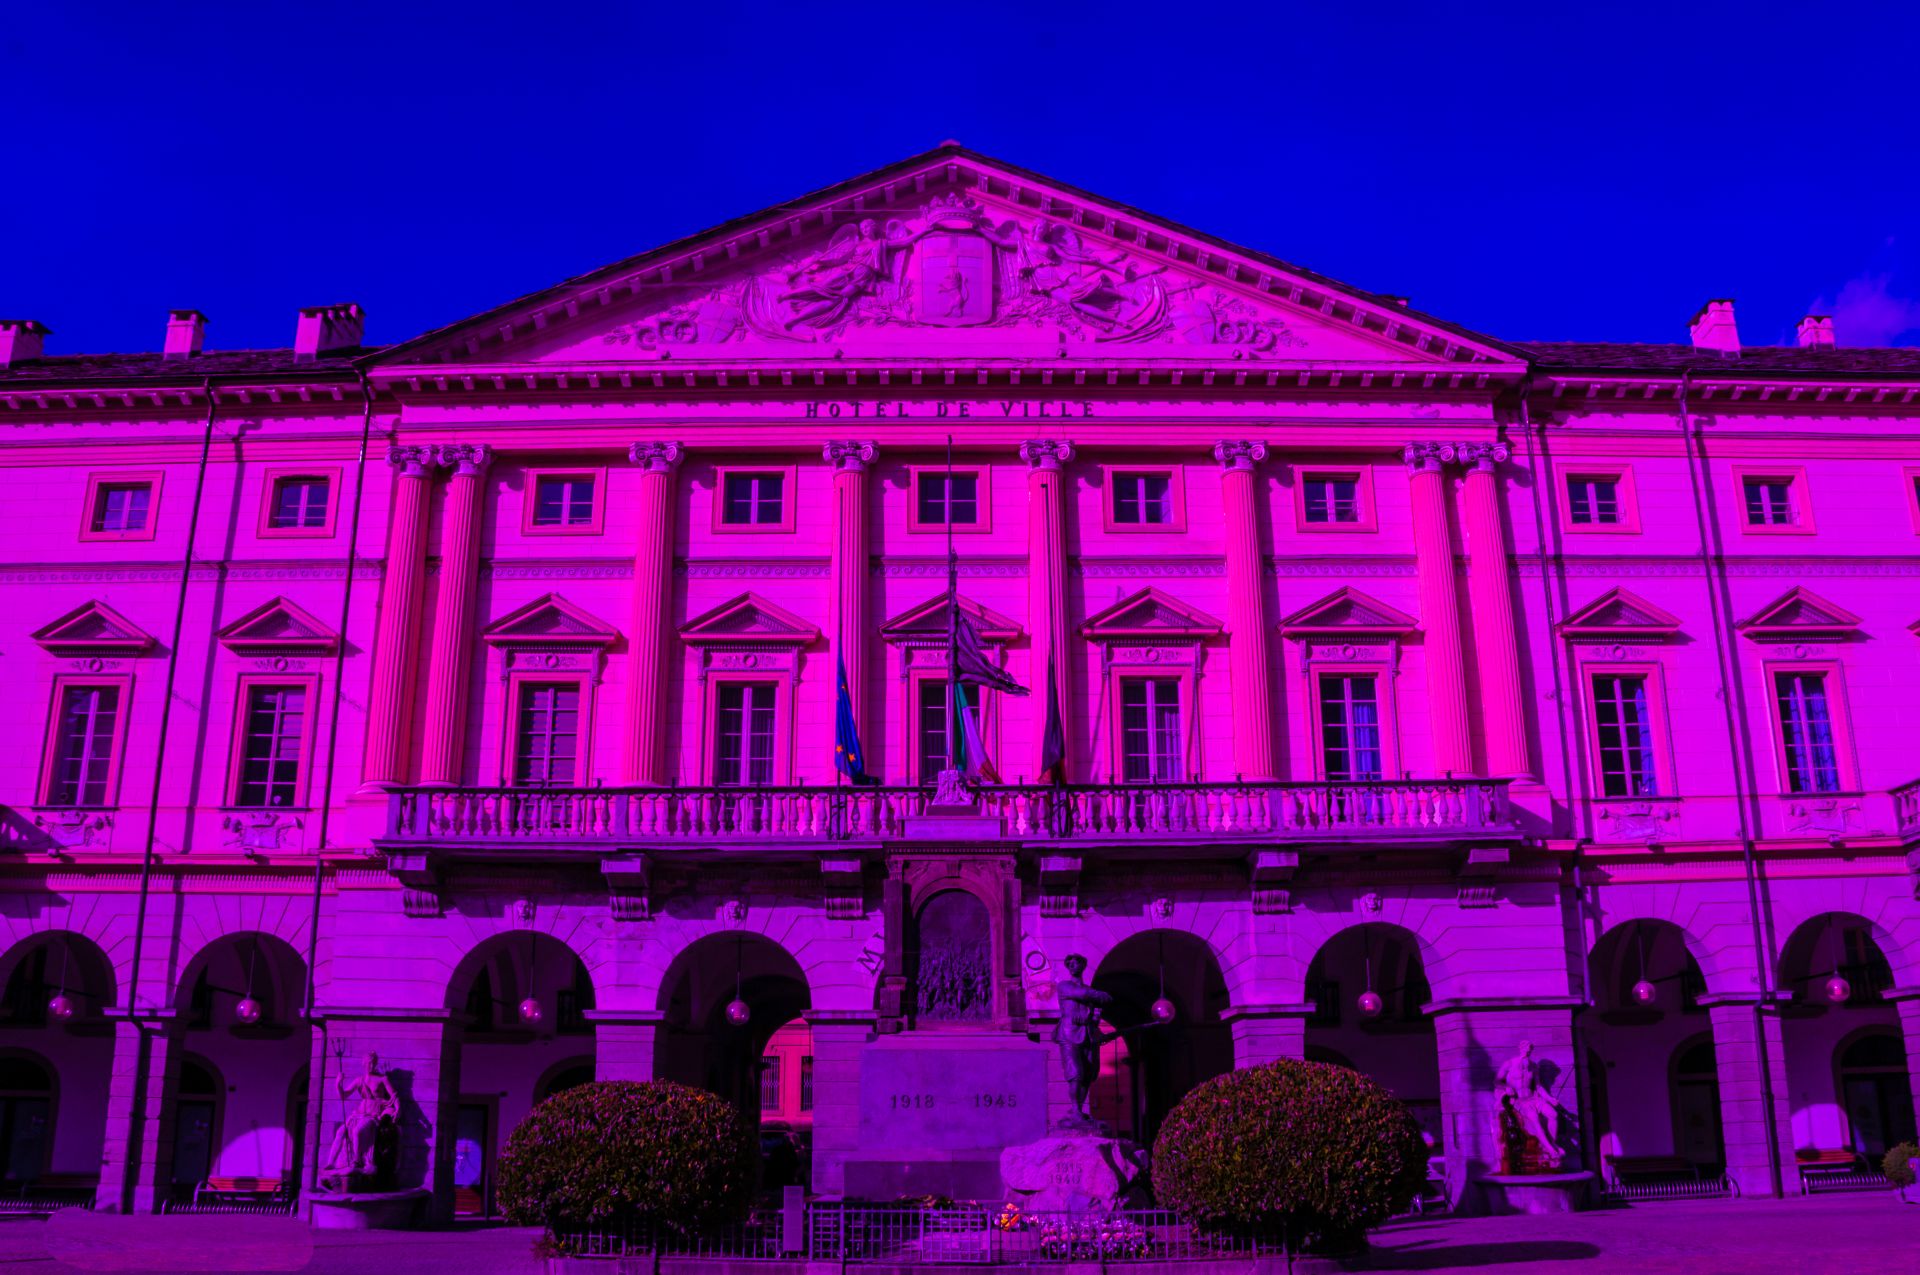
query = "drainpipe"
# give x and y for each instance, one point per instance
(1733, 704)
(316, 1081)
(143, 1051)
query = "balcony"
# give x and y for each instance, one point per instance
(508, 820)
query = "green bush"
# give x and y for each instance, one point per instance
(1304, 1151)
(628, 1157)
(1897, 1164)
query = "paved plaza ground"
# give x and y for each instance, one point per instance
(1874, 1234)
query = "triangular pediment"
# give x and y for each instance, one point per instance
(1351, 612)
(749, 618)
(93, 629)
(550, 621)
(950, 255)
(278, 625)
(1620, 614)
(1799, 613)
(928, 620)
(1149, 614)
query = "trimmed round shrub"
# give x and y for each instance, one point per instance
(1897, 1163)
(1308, 1152)
(629, 1157)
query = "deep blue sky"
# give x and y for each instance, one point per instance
(1555, 171)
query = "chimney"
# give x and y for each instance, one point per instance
(186, 333)
(1712, 328)
(1816, 330)
(20, 340)
(325, 329)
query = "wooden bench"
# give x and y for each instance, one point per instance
(238, 1188)
(1644, 1167)
(1825, 1161)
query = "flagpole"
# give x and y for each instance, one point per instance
(953, 617)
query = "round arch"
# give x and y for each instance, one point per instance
(64, 1131)
(1840, 941)
(57, 960)
(1121, 931)
(1153, 1064)
(1392, 917)
(1829, 1108)
(698, 1043)
(1718, 971)
(1369, 985)
(245, 963)
(563, 1075)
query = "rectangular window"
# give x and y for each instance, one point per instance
(273, 733)
(1593, 502)
(770, 1083)
(562, 500)
(1333, 498)
(84, 737)
(121, 508)
(299, 503)
(1625, 729)
(1142, 499)
(547, 735)
(941, 499)
(1150, 733)
(1806, 732)
(743, 734)
(1769, 501)
(1350, 728)
(806, 1082)
(754, 499)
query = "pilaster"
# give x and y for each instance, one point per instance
(848, 621)
(1049, 636)
(1747, 1040)
(1490, 591)
(1439, 609)
(623, 1043)
(136, 1167)
(839, 1039)
(397, 630)
(1246, 611)
(1266, 1033)
(446, 711)
(652, 596)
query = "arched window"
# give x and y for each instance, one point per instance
(196, 1124)
(1874, 1091)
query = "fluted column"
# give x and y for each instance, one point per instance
(847, 618)
(1246, 611)
(397, 631)
(1047, 587)
(1439, 610)
(652, 594)
(452, 644)
(1496, 643)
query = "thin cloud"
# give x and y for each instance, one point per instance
(1867, 312)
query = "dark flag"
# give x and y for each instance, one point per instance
(1053, 744)
(970, 663)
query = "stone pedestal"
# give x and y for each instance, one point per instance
(937, 1109)
(367, 1210)
(1082, 1170)
(1537, 1192)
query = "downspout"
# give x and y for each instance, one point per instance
(1733, 705)
(316, 1084)
(144, 1049)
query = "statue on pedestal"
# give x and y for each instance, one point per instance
(1078, 1036)
(1519, 1097)
(355, 1160)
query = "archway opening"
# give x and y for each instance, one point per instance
(1367, 986)
(1153, 1064)
(786, 1106)
(520, 1005)
(56, 1064)
(1647, 1035)
(723, 1000)
(240, 1007)
(1846, 1067)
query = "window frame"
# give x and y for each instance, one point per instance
(50, 743)
(518, 682)
(775, 670)
(1176, 523)
(244, 686)
(97, 482)
(983, 500)
(1382, 676)
(1626, 497)
(269, 489)
(1665, 781)
(1846, 769)
(790, 490)
(530, 479)
(1366, 520)
(1799, 497)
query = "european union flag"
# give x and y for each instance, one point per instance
(846, 739)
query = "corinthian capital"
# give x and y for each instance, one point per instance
(1239, 453)
(655, 458)
(413, 460)
(850, 457)
(1046, 453)
(464, 459)
(1427, 458)
(1479, 457)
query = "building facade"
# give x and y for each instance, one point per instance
(473, 701)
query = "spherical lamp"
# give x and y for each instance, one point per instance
(738, 1012)
(1643, 993)
(60, 1007)
(247, 1011)
(1839, 990)
(530, 1011)
(1163, 1011)
(1371, 1004)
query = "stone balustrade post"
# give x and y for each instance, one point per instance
(848, 620)
(1246, 611)
(444, 737)
(652, 600)
(1050, 637)
(396, 653)
(1439, 609)
(1496, 640)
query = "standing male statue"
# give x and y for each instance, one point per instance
(1077, 1033)
(352, 1152)
(1517, 1087)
